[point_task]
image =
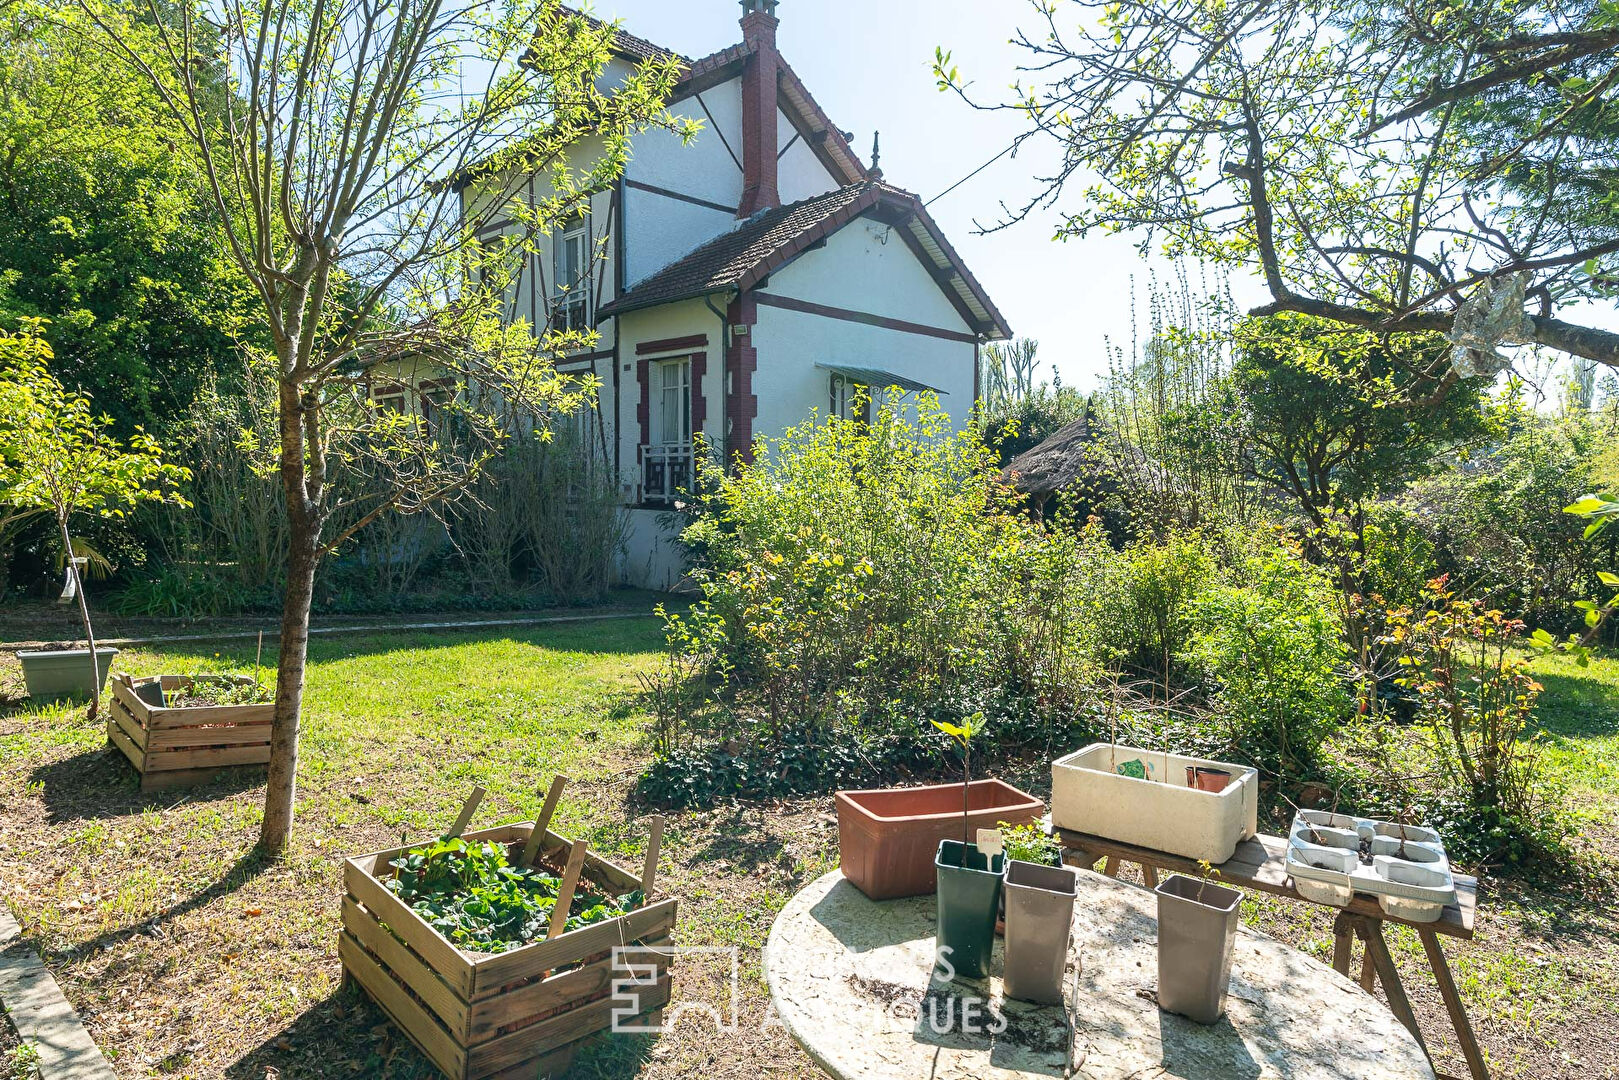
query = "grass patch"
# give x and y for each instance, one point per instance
(190, 957)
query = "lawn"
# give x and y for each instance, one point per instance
(188, 956)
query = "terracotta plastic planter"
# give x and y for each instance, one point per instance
(969, 895)
(888, 837)
(1039, 915)
(63, 673)
(1197, 924)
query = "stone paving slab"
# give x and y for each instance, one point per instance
(42, 1016)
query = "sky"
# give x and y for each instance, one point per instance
(869, 65)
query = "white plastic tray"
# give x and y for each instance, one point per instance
(1409, 873)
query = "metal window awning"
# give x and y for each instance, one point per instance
(877, 379)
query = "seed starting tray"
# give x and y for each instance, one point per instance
(1334, 856)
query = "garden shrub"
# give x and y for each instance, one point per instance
(859, 579)
(1272, 662)
(1469, 763)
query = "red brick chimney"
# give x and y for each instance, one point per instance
(759, 147)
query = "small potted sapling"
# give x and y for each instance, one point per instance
(58, 457)
(969, 880)
(1197, 927)
(1040, 894)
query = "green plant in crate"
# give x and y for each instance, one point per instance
(473, 895)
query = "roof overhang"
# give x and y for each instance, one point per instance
(877, 379)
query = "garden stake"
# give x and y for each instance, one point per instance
(543, 822)
(570, 880)
(468, 808)
(649, 870)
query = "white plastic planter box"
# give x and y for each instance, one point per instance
(1409, 873)
(1089, 795)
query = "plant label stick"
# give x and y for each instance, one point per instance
(649, 871)
(570, 880)
(468, 808)
(990, 843)
(543, 822)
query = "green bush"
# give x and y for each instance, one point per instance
(1272, 662)
(858, 580)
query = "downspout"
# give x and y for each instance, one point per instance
(618, 326)
(726, 389)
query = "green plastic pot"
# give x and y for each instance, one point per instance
(969, 897)
(55, 674)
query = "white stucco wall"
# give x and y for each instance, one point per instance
(652, 556)
(859, 272)
(799, 173)
(662, 229)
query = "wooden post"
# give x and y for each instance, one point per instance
(1453, 1005)
(543, 822)
(1343, 937)
(468, 808)
(570, 881)
(1399, 1004)
(649, 871)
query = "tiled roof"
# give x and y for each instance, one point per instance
(628, 45)
(727, 261)
(741, 258)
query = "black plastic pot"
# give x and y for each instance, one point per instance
(969, 896)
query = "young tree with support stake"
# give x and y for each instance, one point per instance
(58, 457)
(349, 129)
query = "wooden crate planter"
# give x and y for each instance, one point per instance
(173, 747)
(521, 1013)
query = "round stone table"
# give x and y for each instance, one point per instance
(851, 979)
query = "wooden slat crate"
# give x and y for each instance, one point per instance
(175, 747)
(518, 1013)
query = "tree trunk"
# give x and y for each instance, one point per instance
(84, 615)
(301, 488)
(281, 791)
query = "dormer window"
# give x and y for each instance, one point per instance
(570, 295)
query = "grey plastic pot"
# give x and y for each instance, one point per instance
(63, 673)
(969, 896)
(1197, 925)
(1039, 915)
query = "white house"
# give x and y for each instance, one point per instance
(754, 275)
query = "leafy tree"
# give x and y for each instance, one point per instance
(1316, 420)
(336, 173)
(1421, 167)
(58, 457)
(107, 234)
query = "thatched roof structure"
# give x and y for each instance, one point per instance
(1065, 458)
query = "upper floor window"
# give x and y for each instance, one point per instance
(671, 398)
(570, 298)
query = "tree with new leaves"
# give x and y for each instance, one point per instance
(336, 166)
(1424, 167)
(59, 457)
(1314, 421)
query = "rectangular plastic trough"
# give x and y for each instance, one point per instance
(1160, 812)
(888, 837)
